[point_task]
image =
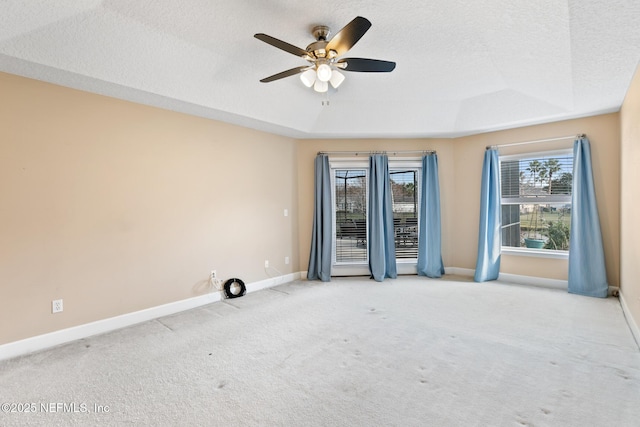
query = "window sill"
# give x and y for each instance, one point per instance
(536, 253)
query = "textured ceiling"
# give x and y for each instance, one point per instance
(463, 67)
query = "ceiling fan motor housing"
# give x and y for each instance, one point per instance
(318, 49)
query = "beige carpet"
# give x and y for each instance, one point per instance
(353, 352)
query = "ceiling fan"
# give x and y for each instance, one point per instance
(323, 56)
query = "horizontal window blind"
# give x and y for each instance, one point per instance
(545, 179)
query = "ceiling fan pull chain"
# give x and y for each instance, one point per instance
(325, 101)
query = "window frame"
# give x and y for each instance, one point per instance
(557, 199)
(404, 265)
(409, 164)
(353, 268)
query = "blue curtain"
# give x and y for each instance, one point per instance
(320, 256)
(587, 273)
(489, 235)
(430, 238)
(382, 250)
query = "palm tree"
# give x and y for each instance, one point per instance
(552, 166)
(534, 170)
(542, 175)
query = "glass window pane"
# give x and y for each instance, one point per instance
(351, 215)
(404, 190)
(536, 226)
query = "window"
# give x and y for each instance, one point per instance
(404, 193)
(350, 190)
(350, 179)
(536, 201)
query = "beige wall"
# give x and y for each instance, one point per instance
(460, 168)
(630, 223)
(116, 207)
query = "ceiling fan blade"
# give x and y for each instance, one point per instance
(284, 74)
(281, 45)
(366, 65)
(349, 35)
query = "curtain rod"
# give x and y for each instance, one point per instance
(580, 135)
(368, 153)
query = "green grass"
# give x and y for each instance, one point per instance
(527, 220)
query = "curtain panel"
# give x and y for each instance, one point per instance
(382, 251)
(321, 237)
(587, 273)
(430, 233)
(489, 234)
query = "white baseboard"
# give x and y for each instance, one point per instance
(533, 281)
(469, 272)
(525, 280)
(513, 278)
(41, 342)
(272, 281)
(545, 283)
(633, 324)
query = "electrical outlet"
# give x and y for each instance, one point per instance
(56, 306)
(286, 260)
(286, 212)
(266, 263)
(214, 275)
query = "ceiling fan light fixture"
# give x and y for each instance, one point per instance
(308, 77)
(336, 79)
(320, 86)
(324, 72)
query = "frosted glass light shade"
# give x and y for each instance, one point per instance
(336, 79)
(308, 77)
(320, 86)
(324, 72)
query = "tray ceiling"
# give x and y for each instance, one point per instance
(462, 67)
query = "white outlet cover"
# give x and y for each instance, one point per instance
(57, 306)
